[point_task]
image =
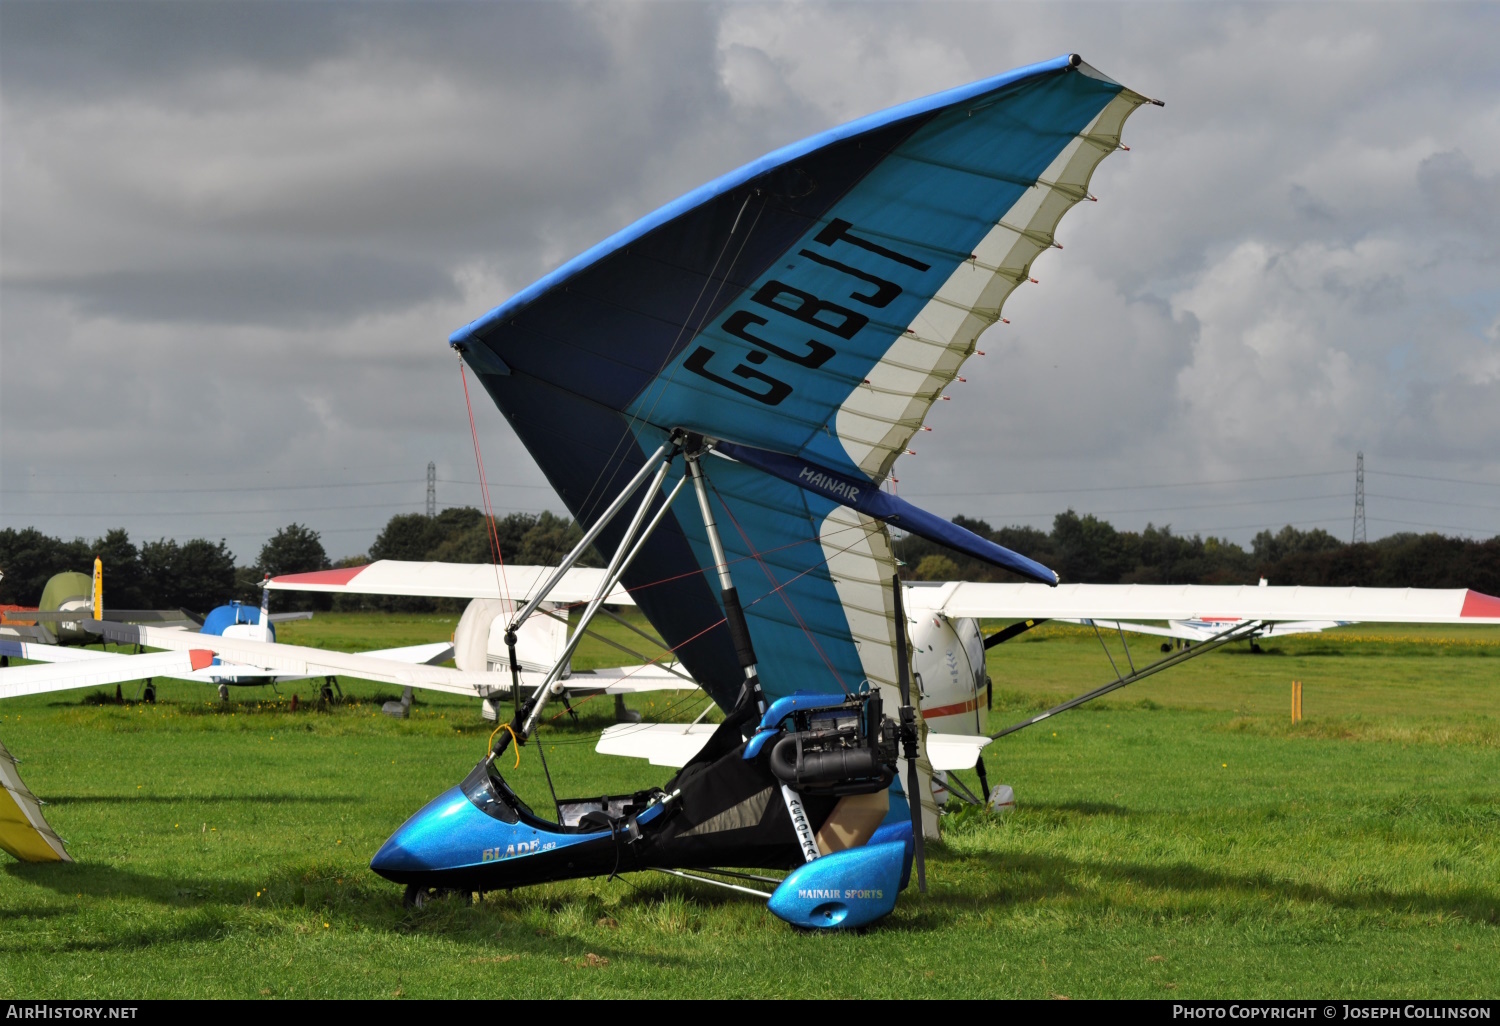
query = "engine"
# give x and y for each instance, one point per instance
(838, 750)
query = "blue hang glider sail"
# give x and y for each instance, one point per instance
(808, 309)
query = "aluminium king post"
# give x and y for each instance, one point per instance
(739, 631)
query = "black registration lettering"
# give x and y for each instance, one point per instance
(838, 231)
(809, 309)
(697, 362)
(885, 291)
(739, 325)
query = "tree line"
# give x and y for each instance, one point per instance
(1087, 550)
(199, 574)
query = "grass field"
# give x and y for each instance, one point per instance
(1179, 839)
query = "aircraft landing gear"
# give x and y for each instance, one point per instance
(329, 685)
(223, 692)
(624, 715)
(421, 897)
(148, 694)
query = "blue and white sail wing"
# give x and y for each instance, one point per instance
(811, 305)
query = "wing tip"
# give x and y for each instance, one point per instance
(1478, 605)
(323, 578)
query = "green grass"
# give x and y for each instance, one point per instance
(1178, 839)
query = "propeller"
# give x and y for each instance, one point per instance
(909, 736)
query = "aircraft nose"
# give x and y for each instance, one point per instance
(423, 841)
(395, 856)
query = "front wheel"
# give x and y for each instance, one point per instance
(417, 896)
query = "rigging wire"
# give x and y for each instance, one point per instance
(778, 588)
(502, 586)
(636, 418)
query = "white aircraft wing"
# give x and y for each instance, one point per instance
(627, 680)
(451, 580)
(1204, 630)
(41, 678)
(300, 661)
(662, 744)
(48, 653)
(1196, 601)
(674, 744)
(17, 630)
(1138, 628)
(953, 751)
(429, 654)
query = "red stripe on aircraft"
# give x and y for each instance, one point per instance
(952, 710)
(200, 658)
(341, 576)
(1477, 603)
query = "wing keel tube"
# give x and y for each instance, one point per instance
(860, 494)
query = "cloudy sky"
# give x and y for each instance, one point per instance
(235, 237)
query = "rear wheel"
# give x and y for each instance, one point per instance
(149, 694)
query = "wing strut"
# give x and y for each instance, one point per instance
(1238, 632)
(1015, 629)
(631, 542)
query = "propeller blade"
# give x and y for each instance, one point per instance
(909, 738)
(903, 677)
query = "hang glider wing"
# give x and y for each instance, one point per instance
(23, 830)
(812, 305)
(448, 580)
(1197, 602)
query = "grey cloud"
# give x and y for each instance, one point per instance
(94, 48)
(293, 292)
(236, 236)
(1460, 195)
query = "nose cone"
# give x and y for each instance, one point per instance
(431, 840)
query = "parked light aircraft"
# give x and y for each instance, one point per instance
(479, 642)
(73, 668)
(245, 652)
(51, 623)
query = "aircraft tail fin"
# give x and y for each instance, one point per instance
(98, 588)
(265, 610)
